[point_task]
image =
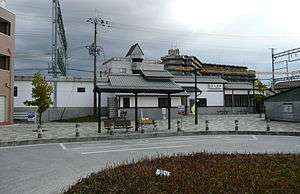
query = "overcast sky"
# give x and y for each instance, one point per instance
(216, 31)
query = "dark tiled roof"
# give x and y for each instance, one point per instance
(156, 74)
(137, 83)
(190, 89)
(200, 79)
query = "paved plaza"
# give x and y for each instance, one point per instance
(54, 130)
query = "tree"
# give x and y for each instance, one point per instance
(41, 94)
(260, 97)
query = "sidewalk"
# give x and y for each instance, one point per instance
(66, 131)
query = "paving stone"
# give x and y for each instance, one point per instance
(250, 122)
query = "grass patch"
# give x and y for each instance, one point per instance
(199, 173)
(86, 119)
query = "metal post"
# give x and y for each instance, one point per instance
(196, 104)
(99, 112)
(206, 125)
(254, 98)
(236, 123)
(169, 111)
(136, 112)
(95, 66)
(268, 124)
(273, 68)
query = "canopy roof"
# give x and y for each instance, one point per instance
(138, 84)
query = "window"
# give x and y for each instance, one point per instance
(163, 103)
(80, 90)
(240, 100)
(4, 27)
(126, 102)
(228, 100)
(202, 102)
(4, 62)
(122, 70)
(15, 91)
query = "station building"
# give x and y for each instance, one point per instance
(220, 89)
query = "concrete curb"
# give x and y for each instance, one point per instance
(145, 135)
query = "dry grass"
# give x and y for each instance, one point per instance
(199, 173)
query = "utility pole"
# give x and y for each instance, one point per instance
(196, 97)
(273, 68)
(94, 50)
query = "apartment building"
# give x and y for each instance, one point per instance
(7, 54)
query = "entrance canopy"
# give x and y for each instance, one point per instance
(136, 84)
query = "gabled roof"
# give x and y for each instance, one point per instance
(138, 84)
(286, 96)
(133, 48)
(156, 74)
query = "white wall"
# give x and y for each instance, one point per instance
(215, 97)
(24, 93)
(145, 101)
(67, 95)
(116, 65)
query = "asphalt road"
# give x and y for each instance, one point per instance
(50, 168)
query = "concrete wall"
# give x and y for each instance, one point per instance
(7, 48)
(152, 113)
(156, 113)
(55, 114)
(233, 110)
(275, 111)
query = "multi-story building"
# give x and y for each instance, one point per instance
(223, 87)
(7, 54)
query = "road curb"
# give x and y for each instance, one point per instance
(145, 135)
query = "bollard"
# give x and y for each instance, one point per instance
(268, 124)
(178, 126)
(142, 126)
(206, 125)
(39, 131)
(111, 130)
(77, 130)
(154, 125)
(236, 122)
